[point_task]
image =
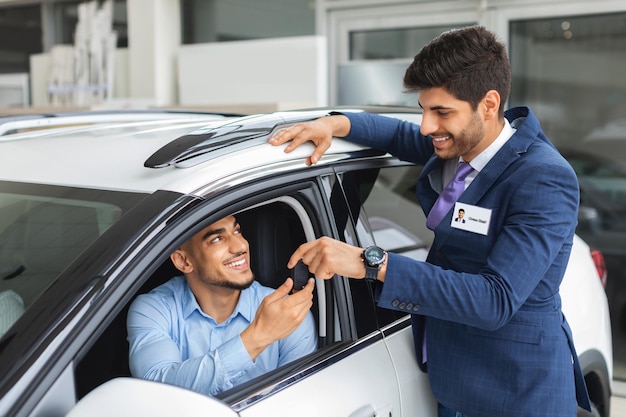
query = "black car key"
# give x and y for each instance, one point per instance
(300, 275)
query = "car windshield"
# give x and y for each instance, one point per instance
(42, 230)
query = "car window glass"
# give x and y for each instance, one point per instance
(40, 235)
(386, 213)
(395, 216)
(364, 317)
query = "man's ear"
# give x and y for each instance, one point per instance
(181, 262)
(491, 104)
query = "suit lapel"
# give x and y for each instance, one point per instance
(425, 192)
(490, 174)
(510, 152)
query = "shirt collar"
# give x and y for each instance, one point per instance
(483, 158)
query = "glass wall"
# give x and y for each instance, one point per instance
(378, 59)
(229, 20)
(570, 70)
(397, 43)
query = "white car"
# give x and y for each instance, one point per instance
(91, 206)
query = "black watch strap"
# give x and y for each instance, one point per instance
(373, 258)
(371, 272)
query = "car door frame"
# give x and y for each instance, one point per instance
(414, 387)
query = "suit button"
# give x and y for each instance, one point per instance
(402, 306)
(395, 303)
(409, 306)
(417, 307)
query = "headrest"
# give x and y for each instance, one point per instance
(273, 232)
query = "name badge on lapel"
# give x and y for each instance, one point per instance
(471, 218)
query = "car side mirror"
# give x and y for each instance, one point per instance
(131, 397)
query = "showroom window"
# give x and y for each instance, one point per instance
(396, 43)
(382, 55)
(231, 20)
(570, 71)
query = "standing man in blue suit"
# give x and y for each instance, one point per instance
(489, 323)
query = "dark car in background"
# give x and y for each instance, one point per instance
(602, 224)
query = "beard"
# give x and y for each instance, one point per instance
(466, 140)
(234, 285)
(223, 277)
(224, 282)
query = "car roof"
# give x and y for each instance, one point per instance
(146, 152)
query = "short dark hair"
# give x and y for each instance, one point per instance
(466, 62)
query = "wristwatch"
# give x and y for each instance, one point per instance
(373, 258)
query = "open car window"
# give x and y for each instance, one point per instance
(383, 211)
(274, 228)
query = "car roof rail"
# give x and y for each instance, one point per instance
(245, 132)
(15, 124)
(208, 143)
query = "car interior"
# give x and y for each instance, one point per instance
(40, 241)
(273, 231)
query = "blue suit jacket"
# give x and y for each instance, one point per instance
(497, 341)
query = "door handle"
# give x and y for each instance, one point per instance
(368, 410)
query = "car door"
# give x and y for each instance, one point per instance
(352, 373)
(385, 212)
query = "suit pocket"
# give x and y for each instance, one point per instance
(514, 331)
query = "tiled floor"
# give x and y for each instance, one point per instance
(618, 401)
(618, 407)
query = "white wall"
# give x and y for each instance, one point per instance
(270, 74)
(153, 41)
(285, 72)
(39, 76)
(14, 90)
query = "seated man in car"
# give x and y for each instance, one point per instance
(216, 327)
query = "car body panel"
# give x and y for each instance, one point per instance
(343, 388)
(589, 323)
(135, 397)
(417, 399)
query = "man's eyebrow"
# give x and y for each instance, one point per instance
(212, 232)
(438, 107)
(221, 230)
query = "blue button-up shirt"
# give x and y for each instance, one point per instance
(173, 341)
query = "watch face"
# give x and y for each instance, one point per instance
(374, 255)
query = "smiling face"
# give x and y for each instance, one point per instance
(217, 256)
(455, 128)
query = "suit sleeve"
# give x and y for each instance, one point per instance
(488, 278)
(400, 138)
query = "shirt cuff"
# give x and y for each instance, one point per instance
(234, 361)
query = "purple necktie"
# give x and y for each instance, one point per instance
(448, 196)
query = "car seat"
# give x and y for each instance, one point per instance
(273, 232)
